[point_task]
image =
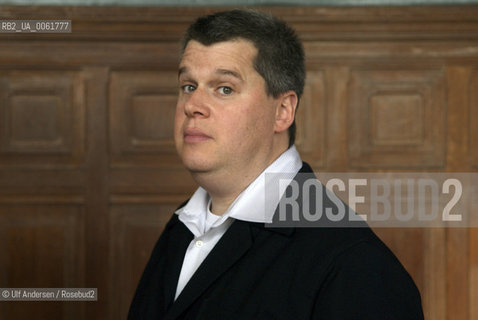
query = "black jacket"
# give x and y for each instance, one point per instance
(256, 272)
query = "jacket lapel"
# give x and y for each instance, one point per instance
(232, 246)
(178, 242)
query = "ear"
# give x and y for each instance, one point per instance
(285, 111)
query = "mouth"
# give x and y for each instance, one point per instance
(193, 135)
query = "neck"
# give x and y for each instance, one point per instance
(220, 205)
(224, 187)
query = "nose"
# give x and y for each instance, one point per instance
(196, 104)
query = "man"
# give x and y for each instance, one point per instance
(241, 76)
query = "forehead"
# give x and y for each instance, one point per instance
(237, 54)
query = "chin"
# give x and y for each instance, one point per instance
(196, 159)
(196, 165)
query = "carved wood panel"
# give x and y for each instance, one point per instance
(42, 117)
(397, 118)
(142, 106)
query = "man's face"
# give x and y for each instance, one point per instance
(224, 118)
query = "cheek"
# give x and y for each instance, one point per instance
(250, 125)
(178, 115)
(178, 122)
(262, 117)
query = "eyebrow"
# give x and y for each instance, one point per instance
(218, 71)
(229, 73)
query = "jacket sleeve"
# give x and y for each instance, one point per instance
(366, 281)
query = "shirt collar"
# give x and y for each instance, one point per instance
(252, 204)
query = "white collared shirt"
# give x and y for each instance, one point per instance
(251, 205)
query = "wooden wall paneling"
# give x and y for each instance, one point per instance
(473, 119)
(18, 181)
(141, 117)
(51, 50)
(460, 118)
(458, 239)
(42, 115)
(405, 73)
(311, 120)
(423, 254)
(473, 148)
(397, 118)
(434, 294)
(135, 228)
(473, 251)
(142, 107)
(42, 246)
(458, 274)
(337, 97)
(42, 155)
(147, 180)
(97, 192)
(151, 181)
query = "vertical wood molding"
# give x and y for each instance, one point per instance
(97, 192)
(473, 249)
(459, 119)
(311, 121)
(473, 119)
(458, 280)
(337, 97)
(436, 281)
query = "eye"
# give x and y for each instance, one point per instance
(188, 88)
(225, 90)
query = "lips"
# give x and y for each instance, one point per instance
(193, 135)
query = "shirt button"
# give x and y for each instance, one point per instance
(199, 243)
